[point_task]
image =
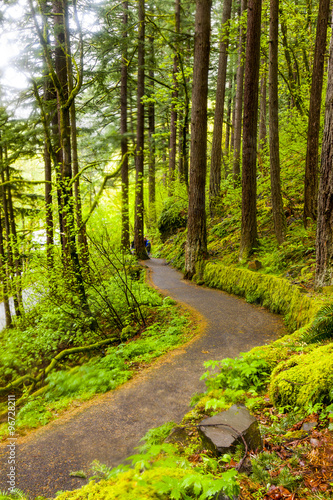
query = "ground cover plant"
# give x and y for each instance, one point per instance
(57, 355)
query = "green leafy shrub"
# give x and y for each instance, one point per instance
(248, 372)
(160, 474)
(173, 216)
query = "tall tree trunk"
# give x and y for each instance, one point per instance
(239, 98)
(277, 203)
(151, 133)
(311, 164)
(196, 244)
(14, 243)
(125, 237)
(296, 99)
(48, 184)
(4, 278)
(80, 227)
(139, 157)
(263, 109)
(216, 154)
(324, 240)
(249, 234)
(74, 271)
(228, 118)
(49, 99)
(173, 118)
(9, 240)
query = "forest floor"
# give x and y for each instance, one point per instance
(109, 427)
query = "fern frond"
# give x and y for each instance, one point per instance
(322, 326)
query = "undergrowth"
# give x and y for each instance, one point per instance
(166, 328)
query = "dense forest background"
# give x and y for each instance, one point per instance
(202, 126)
(129, 111)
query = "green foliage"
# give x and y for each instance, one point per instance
(247, 373)
(322, 326)
(267, 462)
(173, 216)
(159, 473)
(106, 373)
(33, 414)
(156, 435)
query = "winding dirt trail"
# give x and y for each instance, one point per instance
(109, 427)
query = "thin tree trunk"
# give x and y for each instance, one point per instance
(249, 234)
(139, 157)
(4, 279)
(239, 98)
(228, 118)
(174, 98)
(14, 242)
(296, 100)
(9, 241)
(277, 203)
(196, 244)
(216, 154)
(263, 110)
(48, 185)
(125, 237)
(311, 164)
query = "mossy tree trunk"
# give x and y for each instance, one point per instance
(274, 151)
(249, 234)
(324, 240)
(311, 163)
(125, 238)
(196, 244)
(216, 154)
(139, 155)
(237, 115)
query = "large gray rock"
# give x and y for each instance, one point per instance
(224, 431)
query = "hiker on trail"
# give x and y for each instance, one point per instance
(147, 245)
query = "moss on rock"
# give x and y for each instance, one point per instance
(303, 378)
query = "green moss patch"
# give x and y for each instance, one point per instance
(303, 378)
(277, 294)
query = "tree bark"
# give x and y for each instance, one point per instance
(4, 278)
(196, 244)
(216, 154)
(263, 110)
(125, 237)
(239, 98)
(324, 239)
(151, 133)
(249, 235)
(174, 98)
(139, 157)
(277, 203)
(311, 164)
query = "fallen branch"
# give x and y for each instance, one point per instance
(55, 360)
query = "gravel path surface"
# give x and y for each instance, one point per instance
(109, 427)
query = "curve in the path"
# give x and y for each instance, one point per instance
(110, 428)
